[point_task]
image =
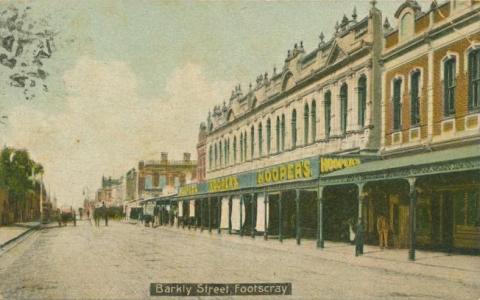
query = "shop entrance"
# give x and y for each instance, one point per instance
(273, 219)
(308, 214)
(340, 212)
(250, 218)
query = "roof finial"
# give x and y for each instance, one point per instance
(373, 3)
(354, 14)
(386, 24)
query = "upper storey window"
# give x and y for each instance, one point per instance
(474, 80)
(406, 26)
(397, 104)
(449, 83)
(343, 107)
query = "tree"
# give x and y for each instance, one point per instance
(25, 45)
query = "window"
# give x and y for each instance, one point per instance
(314, 120)
(260, 140)
(234, 149)
(343, 107)
(474, 80)
(278, 134)
(148, 182)
(225, 146)
(245, 145)
(210, 157)
(397, 104)
(415, 98)
(362, 100)
(163, 181)
(306, 115)
(220, 153)
(294, 128)
(328, 110)
(283, 132)
(269, 136)
(252, 142)
(449, 68)
(216, 155)
(241, 147)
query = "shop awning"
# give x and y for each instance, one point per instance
(465, 158)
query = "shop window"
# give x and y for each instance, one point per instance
(269, 136)
(260, 140)
(397, 104)
(314, 120)
(343, 107)
(362, 100)
(415, 98)
(294, 128)
(328, 110)
(474, 80)
(449, 83)
(473, 208)
(306, 115)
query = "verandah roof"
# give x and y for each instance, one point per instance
(436, 162)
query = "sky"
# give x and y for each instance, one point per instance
(131, 79)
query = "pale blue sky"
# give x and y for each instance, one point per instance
(145, 69)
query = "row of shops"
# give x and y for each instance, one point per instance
(430, 200)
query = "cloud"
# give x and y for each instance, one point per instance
(104, 128)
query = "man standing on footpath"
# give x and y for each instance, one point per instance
(383, 228)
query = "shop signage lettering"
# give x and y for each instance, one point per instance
(285, 172)
(328, 164)
(188, 190)
(223, 184)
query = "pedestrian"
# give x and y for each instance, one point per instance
(359, 239)
(383, 229)
(105, 213)
(59, 218)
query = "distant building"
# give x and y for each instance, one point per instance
(112, 192)
(202, 153)
(163, 177)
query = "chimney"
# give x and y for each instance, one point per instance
(186, 156)
(164, 156)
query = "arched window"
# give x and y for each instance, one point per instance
(343, 107)
(220, 153)
(294, 128)
(282, 129)
(306, 115)
(415, 98)
(328, 112)
(252, 142)
(241, 147)
(474, 80)
(226, 151)
(210, 157)
(362, 100)
(216, 155)
(260, 140)
(235, 149)
(449, 84)
(397, 104)
(245, 145)
(269, 136)
(314, 121)
(278, 134)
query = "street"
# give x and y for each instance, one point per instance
(120, 261)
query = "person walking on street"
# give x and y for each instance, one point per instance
(383, 228)
(105, 213)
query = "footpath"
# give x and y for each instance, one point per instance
(11, 233)
(453, 267)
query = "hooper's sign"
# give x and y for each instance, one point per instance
(285, 172)
(330, 164)
(223, 184)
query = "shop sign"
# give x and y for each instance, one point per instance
(285, 172)
(188, 190)
(223, 184)
(330, 164)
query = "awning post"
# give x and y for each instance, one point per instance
(412, 217)
(252, 209)
(219, 214)
(201, 215)
(280, 219)
(265, 203)
(241, 215)
(230, 215)
(209, 214)
(320, 237)
(297, 216)
(359, 229)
